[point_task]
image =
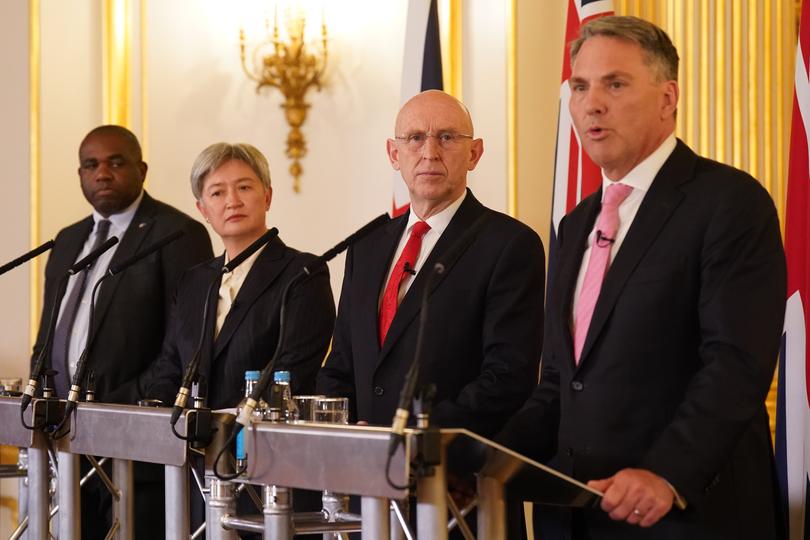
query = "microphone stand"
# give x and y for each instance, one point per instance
(428, 441)
(61, 287)
(81, 365)
(193, 367)
(246, 413)
(24, 258)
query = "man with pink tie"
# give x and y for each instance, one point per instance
(663, 320)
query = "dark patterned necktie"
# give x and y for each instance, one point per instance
(60, 351)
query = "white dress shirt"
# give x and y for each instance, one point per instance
(438, 223)
(119, 223)
(230, 285)
(640, 179)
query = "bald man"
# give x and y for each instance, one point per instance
(483, 336)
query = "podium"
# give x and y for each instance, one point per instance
(33, 497)
(352, 460)
(340, 458)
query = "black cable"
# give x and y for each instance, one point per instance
(409, 486)
(240, 471)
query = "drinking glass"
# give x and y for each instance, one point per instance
(306, 407)
(330, 410)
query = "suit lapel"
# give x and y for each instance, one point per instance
(655, 210)
(75, 238)
(134, 236)
(411, 304)
(212, 275)
(268, 266)
(577, 232)
(382, 247)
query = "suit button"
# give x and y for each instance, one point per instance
(569, 452)
(577, 386)
(378, 391)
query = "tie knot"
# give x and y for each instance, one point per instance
(616, 194)
(420, 228)
(102, 229)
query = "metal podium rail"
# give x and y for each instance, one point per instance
(124, 433)
(339, 458)
(34, 489)
(352, 460)
(121, 432)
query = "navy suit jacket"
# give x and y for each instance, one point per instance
(678, 358)
(484, 332)
(133, 307)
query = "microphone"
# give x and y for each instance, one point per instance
(190, 375)
(36, 371)
(408, 388)
(92, 256)
(81, 365)
(169, 238)
(408, 269)
(602, 240)
(351, 239)
(24, 258)
(267, 373)
(250, 250)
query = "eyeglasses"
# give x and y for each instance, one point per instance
(446, 139)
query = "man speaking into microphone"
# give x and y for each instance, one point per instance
(482, 340)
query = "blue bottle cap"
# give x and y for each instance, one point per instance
(252, 375)
(281, 377)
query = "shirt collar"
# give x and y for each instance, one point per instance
(643, 174)
(121, 220)
(437, 222)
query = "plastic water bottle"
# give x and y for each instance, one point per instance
(251, 378)
(282, 382)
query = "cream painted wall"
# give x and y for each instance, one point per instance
(540, 36)
(484, 36)
(14, 211)
(70, 105)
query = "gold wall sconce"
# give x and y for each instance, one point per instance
(292, 66)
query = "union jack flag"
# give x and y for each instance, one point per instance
(575, 175)
(793, 401)
(421, 70)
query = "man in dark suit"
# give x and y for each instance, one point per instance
(483, 335)
(131, 308)
(664, 317)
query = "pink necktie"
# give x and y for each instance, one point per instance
(606, 226)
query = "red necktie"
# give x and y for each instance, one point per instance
(606, 226)
(388, 307)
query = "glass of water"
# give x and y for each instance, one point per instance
(331, 410)
(306, 407)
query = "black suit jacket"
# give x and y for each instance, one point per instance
(484, 333)
(133, 307)
(250, 332)
(678, 358)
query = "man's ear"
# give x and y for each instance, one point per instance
(476, 151)
(393, 153)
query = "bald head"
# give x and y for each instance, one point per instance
(434, 149)
(435, 100)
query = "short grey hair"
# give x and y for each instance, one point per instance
(658, 49)
(218, 154)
